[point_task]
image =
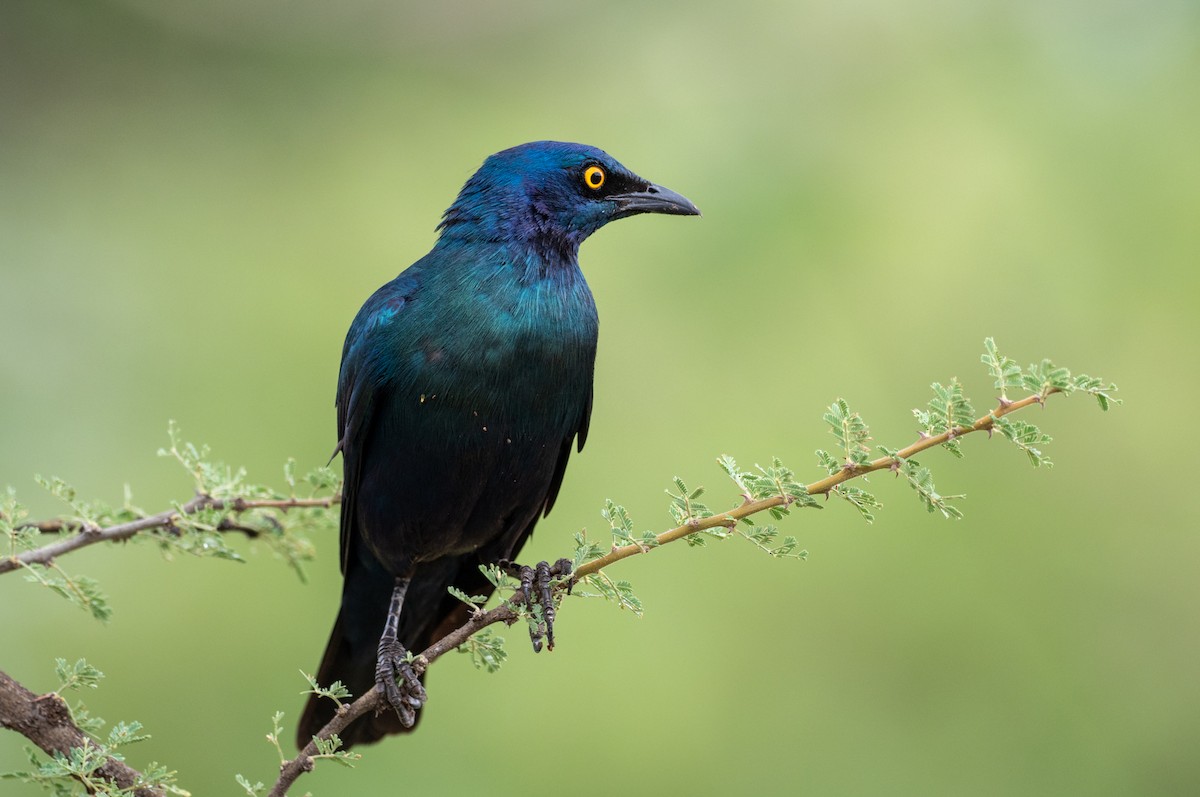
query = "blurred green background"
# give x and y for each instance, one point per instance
(196, 197)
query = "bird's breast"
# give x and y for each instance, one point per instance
(511, 352)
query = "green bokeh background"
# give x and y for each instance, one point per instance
(196, 197)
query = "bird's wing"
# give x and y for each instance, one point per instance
(584, 420)
(575, 439)
(361, 376)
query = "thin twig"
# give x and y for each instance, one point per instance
(374, 700)
(85, 536)
(504, 613)
(816, 488)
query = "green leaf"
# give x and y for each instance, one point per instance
(620, 592)
(251, 790)
(125, 733)
(730, 466)
(85, 721)
(1045, 378)
(330, 749)
(323, 479)
(1006, 372)
(76, 676)
(685, 508)
(860, 499)
(828, 462)
(779, 481)
(585, 549)
(619, 521)
(498, 578)
(1095, 386)
(336, 691)
(12, 515)
(764, 536)
(948, 410)
(1027, 437)
(486, 651)
(474, 601)
(82, 591)
(84, 514)
(921, 480)
(851, 432)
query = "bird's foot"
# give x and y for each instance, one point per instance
(401, 687)
(537, 593)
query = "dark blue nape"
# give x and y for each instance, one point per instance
(465, 382)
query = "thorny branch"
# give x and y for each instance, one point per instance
(90, 535)
(46, 722)
(821, 487)
(374, 700)
(505, 613)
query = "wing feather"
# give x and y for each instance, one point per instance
(358, 381)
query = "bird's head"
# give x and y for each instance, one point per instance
(553, 195)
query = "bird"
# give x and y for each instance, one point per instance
(464, 385)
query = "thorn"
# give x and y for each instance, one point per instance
(922, 434)
(1005, 402)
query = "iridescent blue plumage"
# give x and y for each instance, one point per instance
(464, 384)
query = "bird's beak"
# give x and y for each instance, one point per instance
(654, 199)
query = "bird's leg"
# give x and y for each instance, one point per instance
(393, 665)
(536, 592)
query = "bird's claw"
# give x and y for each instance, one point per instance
(537, 594)
(402, 688)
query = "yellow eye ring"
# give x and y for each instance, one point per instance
(593, 177)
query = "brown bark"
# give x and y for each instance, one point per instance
(46, 721)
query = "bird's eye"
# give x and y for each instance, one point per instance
(593, 177)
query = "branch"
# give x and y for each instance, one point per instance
(373, 700)
(46, 721)
(222, 495)
(506, 613)
(90, 535)
(822, 487)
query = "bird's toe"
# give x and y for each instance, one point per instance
(537, 593)
(402, 687)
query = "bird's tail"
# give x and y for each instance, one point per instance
(429, 613)
(356, 670)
